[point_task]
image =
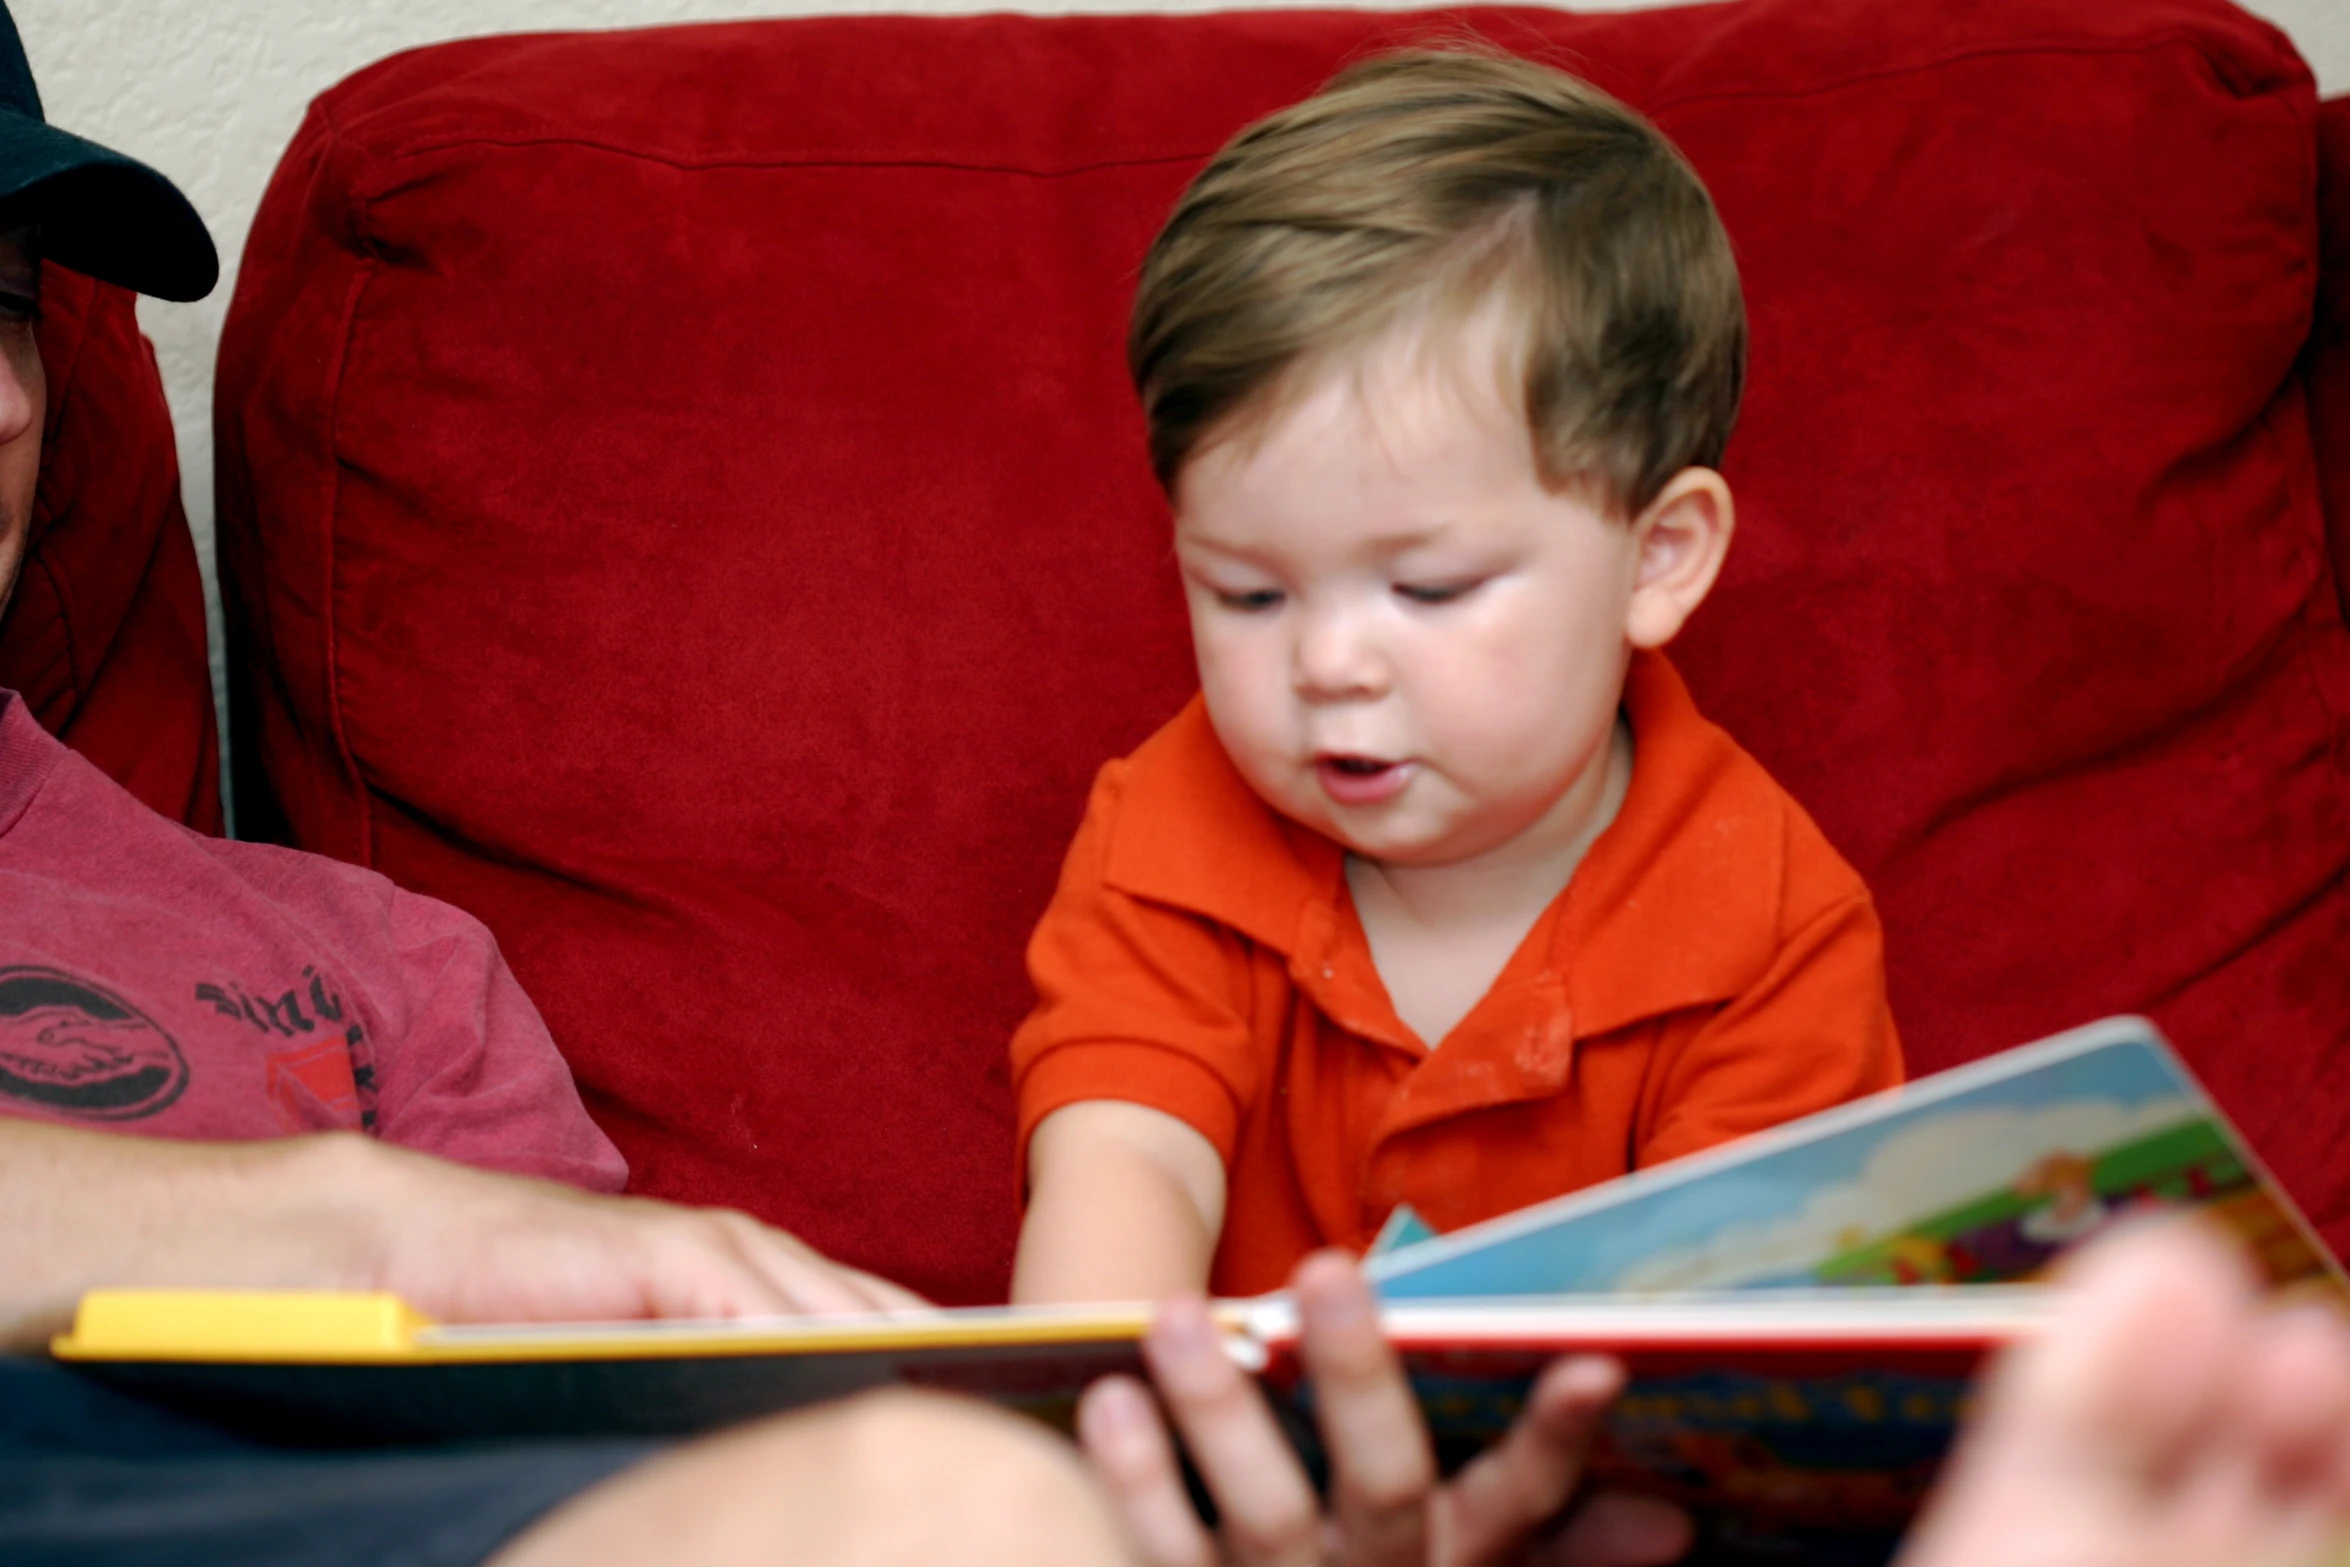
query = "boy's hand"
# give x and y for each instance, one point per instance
(1388, 1508)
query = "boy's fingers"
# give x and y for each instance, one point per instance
(1120, 1431)
(1271, 1517)
(1515, 1487)
(1382, 1470)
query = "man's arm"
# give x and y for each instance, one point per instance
(1125, 1203)
(83, 1210)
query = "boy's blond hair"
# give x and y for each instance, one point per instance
(1435, 181)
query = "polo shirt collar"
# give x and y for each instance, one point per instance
(1674, 906)
(1677, 904)
(1193, 835)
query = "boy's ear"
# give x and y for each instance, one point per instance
(1682, 538)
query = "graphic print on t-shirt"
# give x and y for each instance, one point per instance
(71, 1045)
(313, 1086)
(325, 1082)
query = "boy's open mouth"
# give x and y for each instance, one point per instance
(1360, 780)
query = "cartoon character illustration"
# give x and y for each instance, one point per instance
(1920, 1259)
(2073, 1211)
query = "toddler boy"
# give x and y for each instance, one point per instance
(1441, 891)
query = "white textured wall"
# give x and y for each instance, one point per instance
(210, 92)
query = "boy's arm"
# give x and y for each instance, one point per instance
(1124, 1203)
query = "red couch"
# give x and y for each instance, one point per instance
(105, 636)
(680, 500)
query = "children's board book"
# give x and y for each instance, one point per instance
(1800, 1315)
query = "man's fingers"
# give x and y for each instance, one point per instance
(694, 1272)
(813, 1282)
(1382, 1470)
(1519, 1484)
(1128, 1446)
(716, 1263)
(2165, 1294)
(1271, 1517)
(803, 1278)
(2291, 1395)
(879, 1294)
(504, 1248)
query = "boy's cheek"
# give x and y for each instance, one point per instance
(1237, 671)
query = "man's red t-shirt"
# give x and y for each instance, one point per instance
(158, 982)
(1713, 968)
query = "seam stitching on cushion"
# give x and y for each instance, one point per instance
(2258, 934)
(329, 523)
(2329, 702)
(748, 162)
(2322, 606)
(2266, 86)
(2308, 626)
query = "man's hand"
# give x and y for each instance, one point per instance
(338, 1211)
(1387, 1506)
(469, 1246)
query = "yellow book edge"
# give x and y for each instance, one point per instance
(327, 1327)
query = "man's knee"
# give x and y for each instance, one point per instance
(956, 1476)
(888, 1478)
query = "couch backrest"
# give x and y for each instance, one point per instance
(681, 502)
(105, 636)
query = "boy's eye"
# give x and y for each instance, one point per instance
(1434, 592)
(1248, 600)
(18, 307)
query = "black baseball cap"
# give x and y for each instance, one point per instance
(98, 211)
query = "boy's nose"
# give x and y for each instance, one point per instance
(1336, 659)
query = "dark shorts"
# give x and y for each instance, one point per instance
(97, 1479)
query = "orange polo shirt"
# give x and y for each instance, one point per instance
(1713, 968)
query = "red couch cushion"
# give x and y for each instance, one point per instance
(105, 637)
(681, 501)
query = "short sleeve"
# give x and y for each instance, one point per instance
(470, 1073)
(1135, 1000)
(1813, 1032)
